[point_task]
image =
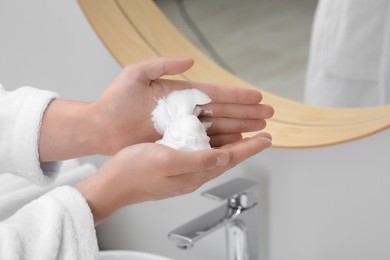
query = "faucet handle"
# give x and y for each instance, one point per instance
(229, 189)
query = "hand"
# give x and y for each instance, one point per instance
(125, 107)
(122, 115)
(145, 172)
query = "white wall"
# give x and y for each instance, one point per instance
(329, 203)
(49, 44)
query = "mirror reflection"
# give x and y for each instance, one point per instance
(261, 41)
(329, 53)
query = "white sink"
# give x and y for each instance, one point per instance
(128, 255)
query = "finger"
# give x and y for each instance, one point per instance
(223, 139)
(184, 184)
(197, 161)
(261, 134)
(258, 135)
(238, 151)
(187, 183)
(247, 147)
(230, 94)
(219, 93)
(156, 68)
(230, 126)
(253, 111)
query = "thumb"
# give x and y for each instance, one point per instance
(156, 68)
(196, 161)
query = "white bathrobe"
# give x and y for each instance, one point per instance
(349, 63)
(59, 224)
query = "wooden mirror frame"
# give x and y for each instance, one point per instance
(137, 30)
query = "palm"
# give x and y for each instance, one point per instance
(127, 104)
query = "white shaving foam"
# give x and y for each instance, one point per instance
(176, 118)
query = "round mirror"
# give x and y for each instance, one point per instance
(137, 30)
(263, 42)
(267, 43)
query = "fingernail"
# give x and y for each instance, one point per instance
(222, 159)
(268, 135)
(265, 135)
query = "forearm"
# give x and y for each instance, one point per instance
(69, 129)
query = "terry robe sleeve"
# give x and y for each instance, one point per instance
(59, 224)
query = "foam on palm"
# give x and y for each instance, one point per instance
(176, 118)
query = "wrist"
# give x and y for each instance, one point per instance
(103, 193)
(69, 129)
(98, 199)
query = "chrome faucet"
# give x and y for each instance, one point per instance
(240, 197)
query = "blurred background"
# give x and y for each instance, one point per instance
(50, 44)
(265, 42)
(327, 203)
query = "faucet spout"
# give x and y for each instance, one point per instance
(186, 235)
(239, 200)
